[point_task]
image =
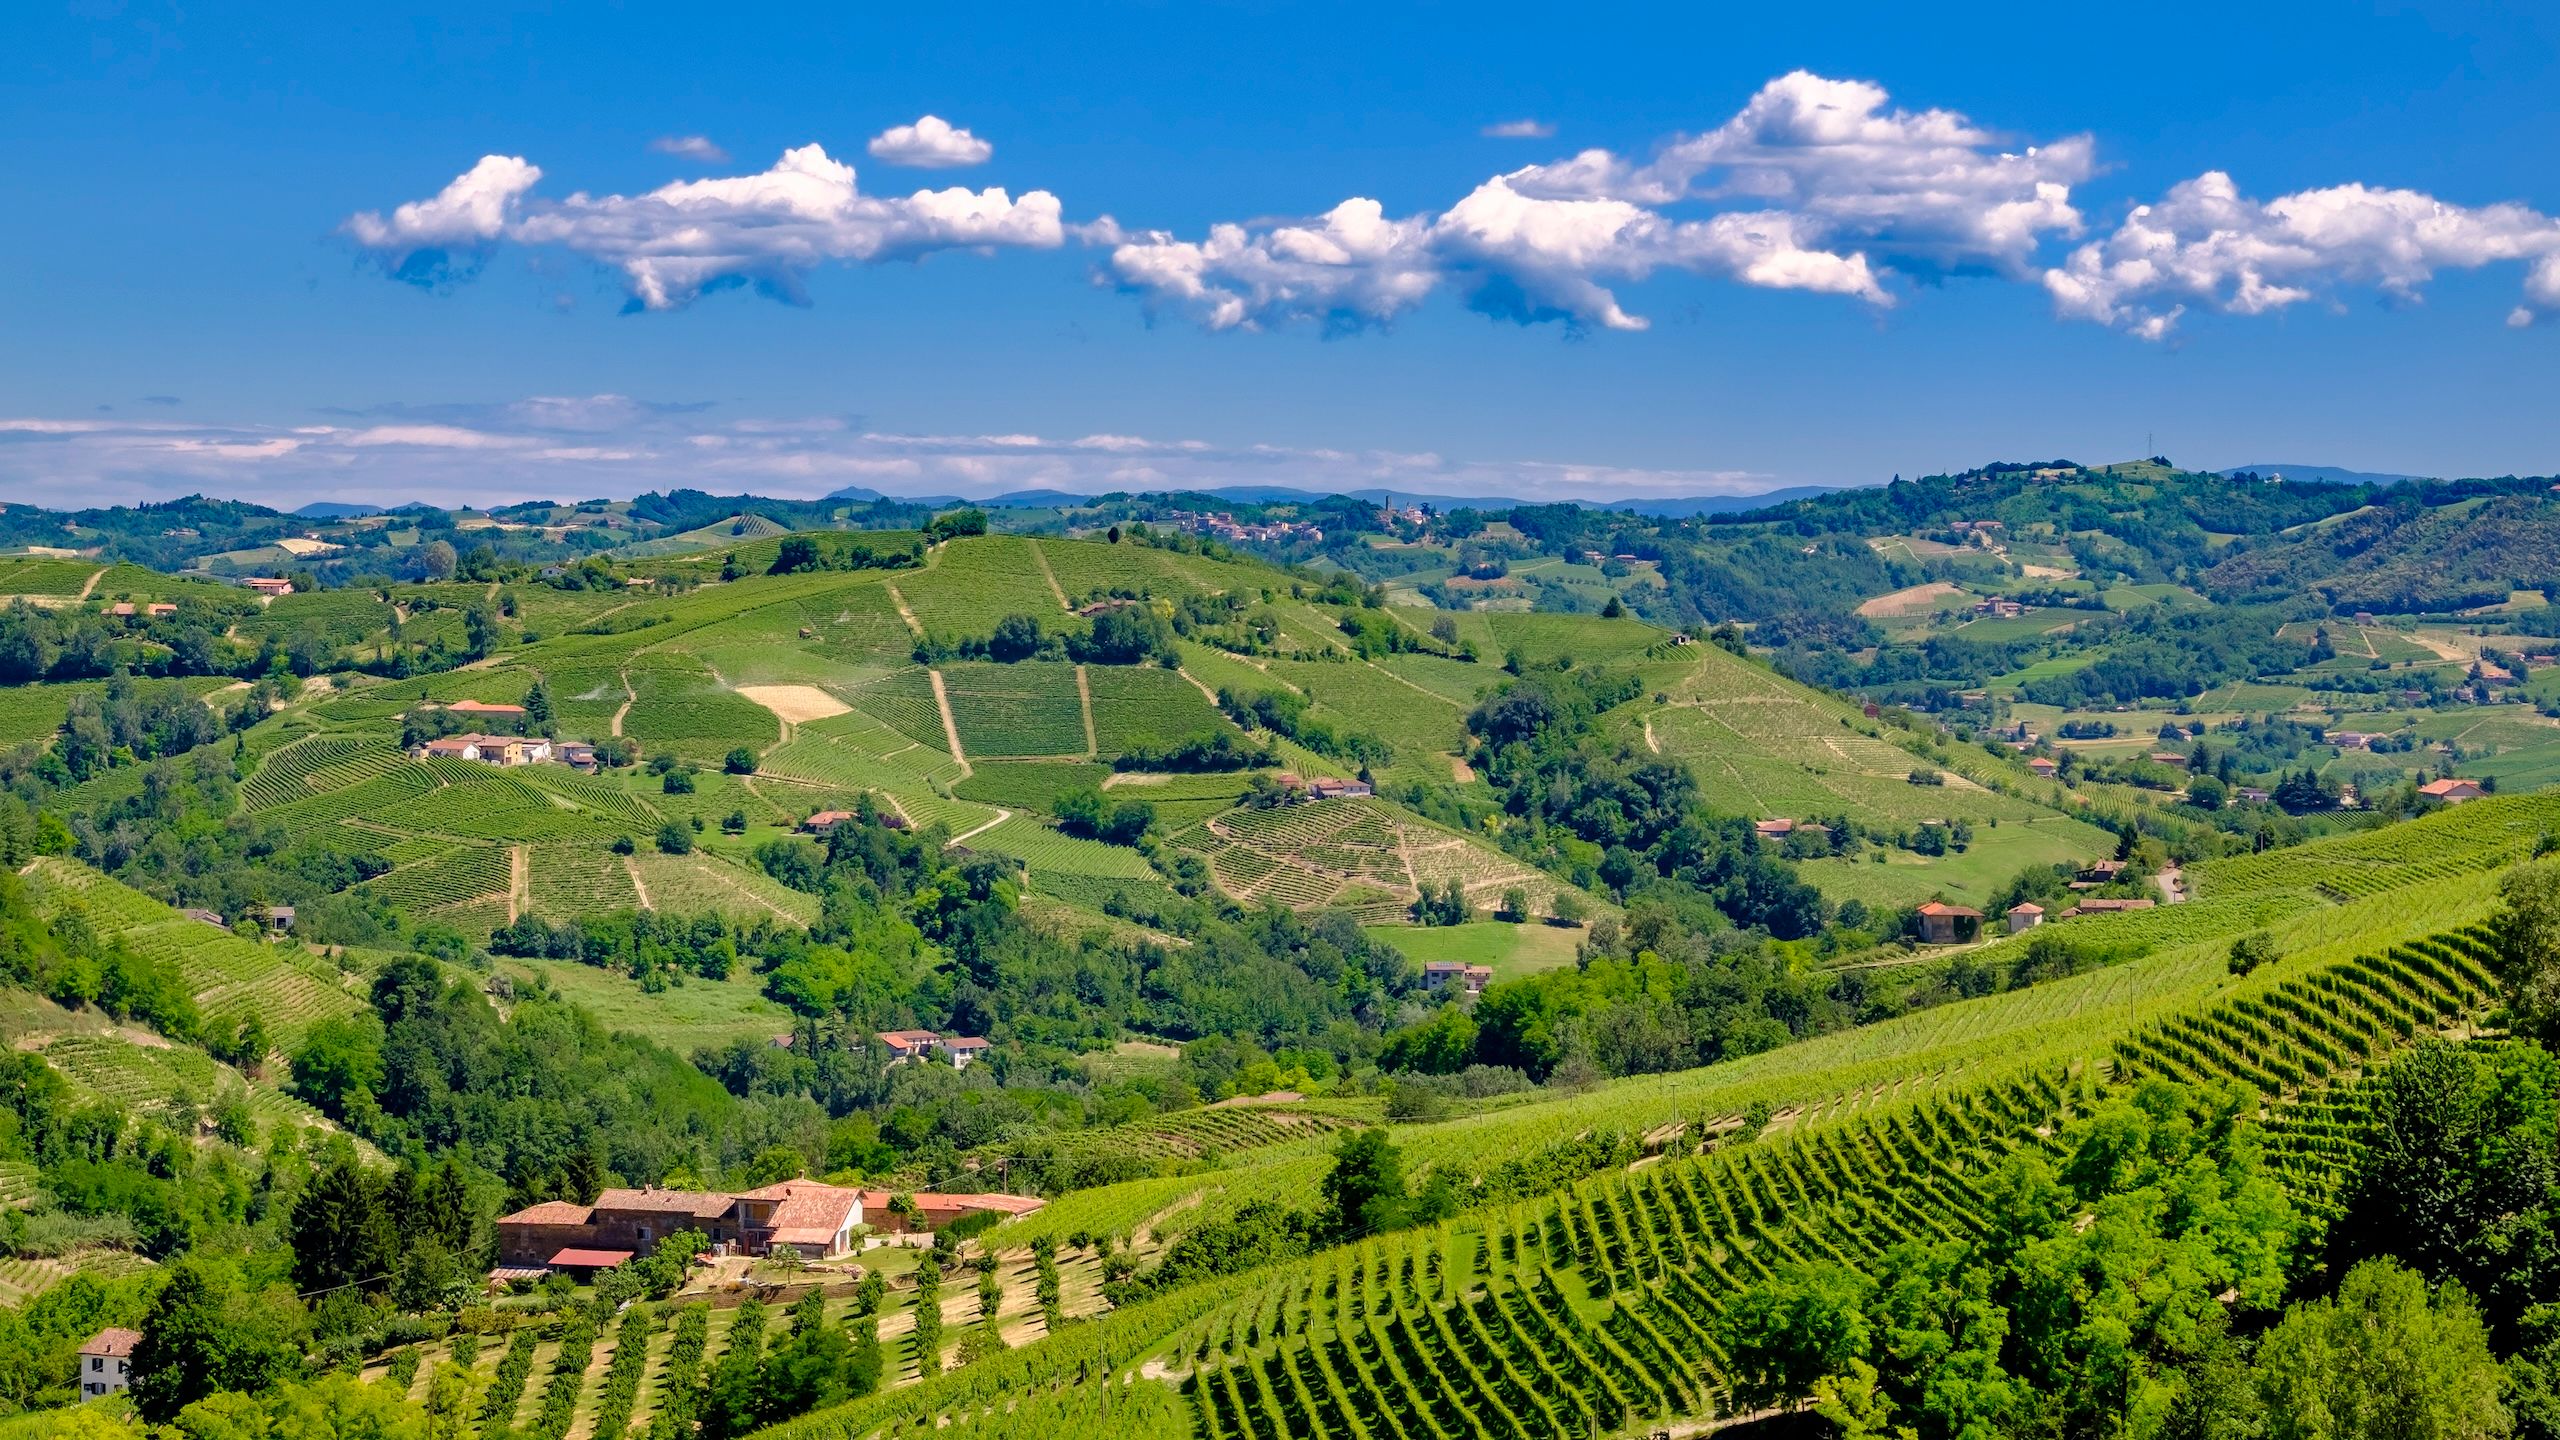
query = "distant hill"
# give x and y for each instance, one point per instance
(336, 510)
(2322, 474)
(1675, 507)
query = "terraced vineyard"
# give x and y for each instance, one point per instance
(228, 975)
(1359, 855)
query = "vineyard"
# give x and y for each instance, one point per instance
(1146, 705)
(1358, 855)
(1595, 1310)
(2447, 845)
(230, 977)
(1032, 708)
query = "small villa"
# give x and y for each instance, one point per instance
(1945, 924)
(2451, 790)
(1441, 974)
(2025, 915)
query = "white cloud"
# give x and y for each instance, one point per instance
(1815, 185)
(932, 143)
(2208, 245)
(690, 147)
(420, 238)
(770, 229)
(1520, 130)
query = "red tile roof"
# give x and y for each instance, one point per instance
(666, 1202)
(574, 1258)
(549, 1212)
(113, 1341)
(1940, 907)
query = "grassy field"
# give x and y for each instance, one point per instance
(1972, 877)
(684, 1017)
(1511, 950)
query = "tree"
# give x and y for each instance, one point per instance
(537, 708)
(1016, 637)
(2526, 936)
(1515, 904)
(674, 839)
(740, 761)
(798, 552)
(1364, 1192)
(1787, 1334)
(341, 1231)
(2381, 1361)
(205, 1333)
(436, 559)
(2252, 950)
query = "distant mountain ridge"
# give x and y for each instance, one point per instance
(2324, 474)
(1671, 507)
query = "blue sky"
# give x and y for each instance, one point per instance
(209, 278)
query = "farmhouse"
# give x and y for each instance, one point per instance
(825, 820)
(1441, 974)
(1324, 789)
(106, 1361)
(268, 585)
(908, 1044)
(2352, 739)
(1945, 924)
(2452, 791)
(576, 754)
(491, 749)
(815, 1219)
(2043, 766)
(960, 1050)
(2025, 915)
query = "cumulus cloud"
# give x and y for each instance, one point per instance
(2208, 245)
(1520, 130)
(768, 229)
(425, 240)
(697, 148)
(1814, 185)
(932, 143)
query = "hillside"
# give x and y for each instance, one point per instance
(1172, 829)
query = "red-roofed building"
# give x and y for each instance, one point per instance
(268, 585)
(814, 1218)
(477, 707)
(961, 1050)
(106, 1362)
(2026, 915)
(825, 820)
(1945, 924)
(933, 1211)
(909, 1044)
(2452, 791)
(1440, 974)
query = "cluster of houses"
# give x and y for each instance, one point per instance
(1945, 924)
(504, 749)
(816, 1220)
(959, 1051)
(1320, 788)
(1998, 607)
(1223, 526)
